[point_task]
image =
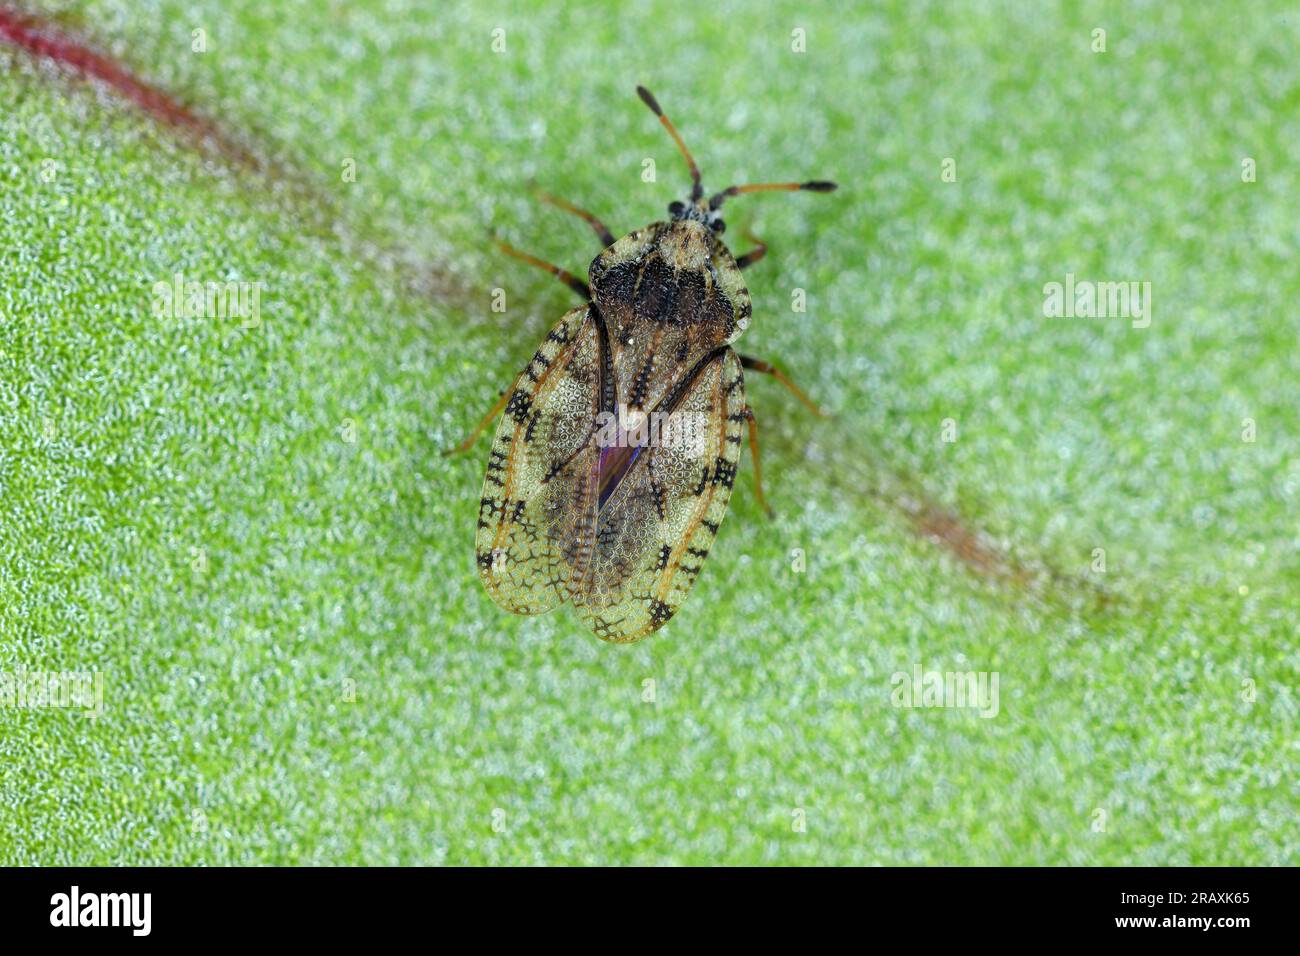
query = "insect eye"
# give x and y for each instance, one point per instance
(719, 227)
(675, 208)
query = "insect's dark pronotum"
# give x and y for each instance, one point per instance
(613, 465)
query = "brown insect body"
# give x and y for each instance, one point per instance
(670, 294)
(621, 529)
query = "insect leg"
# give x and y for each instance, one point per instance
(753, 255)
(487, 420)
(564, 275)
(758, 365)
(758, 469)
(599, 227)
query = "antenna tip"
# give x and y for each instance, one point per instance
(649, 99)
(819, 186)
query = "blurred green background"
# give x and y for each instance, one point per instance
(252, 534)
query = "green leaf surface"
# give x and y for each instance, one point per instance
(252, 534)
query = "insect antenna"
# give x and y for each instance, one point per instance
(697, 188)
(815, 186)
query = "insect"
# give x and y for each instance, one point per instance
(585, 500)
